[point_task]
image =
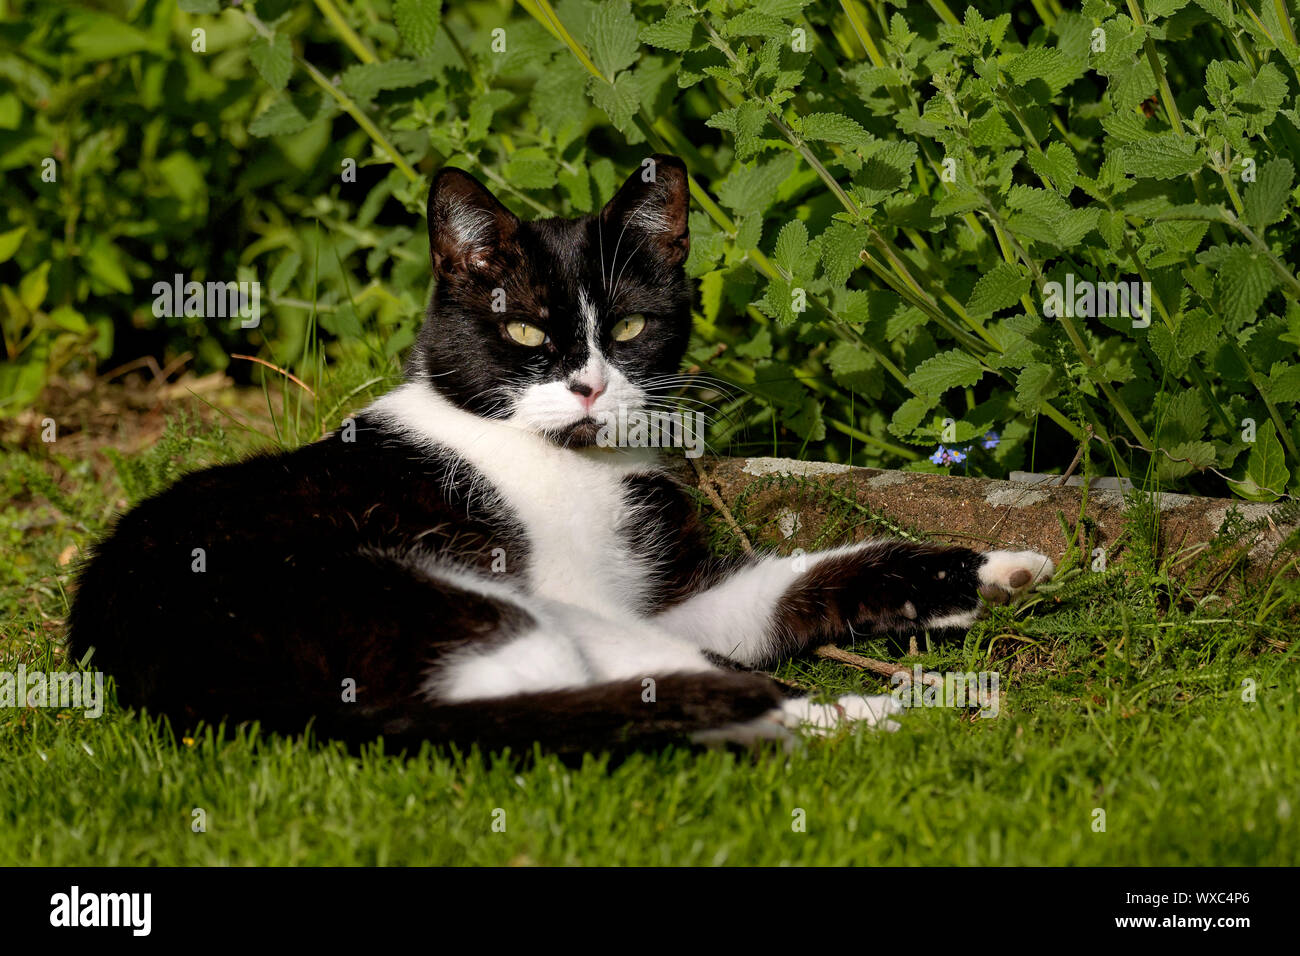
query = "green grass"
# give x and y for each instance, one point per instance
(1123, 692)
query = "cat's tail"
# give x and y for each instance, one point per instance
(622, 715)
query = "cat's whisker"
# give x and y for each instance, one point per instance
(600, 241)
(681, 388)
(697, 381)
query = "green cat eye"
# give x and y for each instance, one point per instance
(525, 334)
(629, 328)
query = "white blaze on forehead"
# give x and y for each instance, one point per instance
(596, 373)
(551, 406)
(589, 317)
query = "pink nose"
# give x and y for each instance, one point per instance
(586, 394)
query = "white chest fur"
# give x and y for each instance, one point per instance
(571, 503)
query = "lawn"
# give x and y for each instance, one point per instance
(1144, 720)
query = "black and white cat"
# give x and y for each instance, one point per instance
(471, 562)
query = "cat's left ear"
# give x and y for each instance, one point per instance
(653, 204)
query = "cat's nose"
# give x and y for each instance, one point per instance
(587, 394)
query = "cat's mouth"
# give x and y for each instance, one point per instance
(580, 434)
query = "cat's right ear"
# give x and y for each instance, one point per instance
(466, 222)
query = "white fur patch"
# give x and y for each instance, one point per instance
(569, 647)
(570, 501)
(998, 567)
(471, 228)
(734, 618)
(801, 713)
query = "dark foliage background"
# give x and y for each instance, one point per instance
(882, 191)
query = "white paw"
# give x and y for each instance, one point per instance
(770, 727)
(822, 719)
(1005, 575)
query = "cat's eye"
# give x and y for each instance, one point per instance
(629, 328)
(525, 334)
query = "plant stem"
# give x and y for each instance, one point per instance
(345, 32)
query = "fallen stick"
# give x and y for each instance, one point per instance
(833, 653)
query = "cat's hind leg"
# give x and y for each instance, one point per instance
(711, 706)
(571, 651)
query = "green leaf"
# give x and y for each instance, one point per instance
(951, 369)
(887, 170)
(841, 244)
(759, 347)
(531, 169)
(746, 122)
(364, 81)
(1284, 383)
(1057, 164)
(612, 37)
(69, 319)
(273, 59)
(1266, 471)
(835, 128)
(792, 248)
(481, 112)
(806, 419)
(268, 10)
(10, 242)
(1245, 279)
(749, 189)
(620, 100)
(281, 118)
(1035, 385)
(992, 130)
(679, 34)
(577, 186)
(778, 301)
(854, 367)
(754, 23)
(1036, 63)
(909, 415)
(1000, 287)
(104, 262)
(962, 200)
(1166, 156)
(34, 286)
(1265, 200)
(284, 272)
(417, 22)
(1162, 8)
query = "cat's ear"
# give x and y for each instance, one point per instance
(653, 204)
(466, 222)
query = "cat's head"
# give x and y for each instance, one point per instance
(557, 324)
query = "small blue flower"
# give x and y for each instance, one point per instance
(940, 456)
(991, 439)
(958, 455)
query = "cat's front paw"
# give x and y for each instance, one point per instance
(1006, 575)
